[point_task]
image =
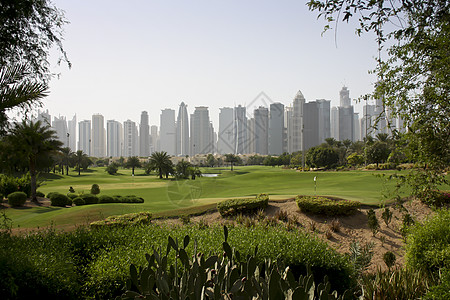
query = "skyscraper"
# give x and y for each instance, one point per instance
(130, 139)
(296, 123)
(154, 139)
(324, 119)
(225, 143)
(201, 132)
(240, 125)
(114, 132)
(144, 135)
(344, 96)
(310, 125)
(261, 115)
(167, 131)
(345, 117)
(276, 129)
(84, 136)
(182, 132)
(59, 124)
(72, 131)
(98, 136)
(44, 117)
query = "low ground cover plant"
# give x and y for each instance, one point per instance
(329, 206)
(233, 207)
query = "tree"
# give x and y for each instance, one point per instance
(161, 162)
(378, 152)
(320, 157)
(355, 159)
(67, 156)
(413, 79)
(183, 169)
(112, 168)
(231, 158)
(133, 162)
(29, 29)
(81, 157)
(33, 140)
(17, 91)
(210, 160)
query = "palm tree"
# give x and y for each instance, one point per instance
(231, 158)
(33, 140)
(161, 161)
(67, 156)
(133, 162)
(18, 91)
(80, 157)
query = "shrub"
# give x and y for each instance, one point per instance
(8, 184)
(89, 198)
(386, 216)
(185, 219)
(57, 199)
(72, 196)
(105, 199)
(125, 220)
(282, 215)
(327, 206)
(40, 194)
(372, 221)
(244, 206)
(389, 259)
(407, 222)
(95, 189)
(112, 169)
(428, 244)
(131, 199)
(16, 199)
(49, 195)
(78, 201)
(335, 225)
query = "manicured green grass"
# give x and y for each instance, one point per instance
(162, 195)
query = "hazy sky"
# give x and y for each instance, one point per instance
(130, 56)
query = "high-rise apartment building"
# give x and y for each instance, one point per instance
(59, 125)
(226, 143)
(182, 131)
(72, 131)
(324, 107)
(276, 129)
(44, 117)
(84, 136)
(98, 136)
(310, 125)
(167, 131)
(295, 128)
(154, 139)
(240, 126)
(202, 139)
(130, 139)
(261, 131)
(144, 135)
(114, 132)
(344, 96)
(250, 146)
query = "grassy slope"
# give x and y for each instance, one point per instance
(165, 195)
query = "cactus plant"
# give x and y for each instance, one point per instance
(220, 277)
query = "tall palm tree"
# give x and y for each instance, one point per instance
(80, 156)
(33, 140)
(161, 161)
(17, 90)
(67, 156)
(133, 162)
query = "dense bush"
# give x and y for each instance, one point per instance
(72, 195)
(327, 206)
(130, 199)
(89, 198)
(428, 244)
(95, 189)
(10, 184)
(105, 199)
(88, 264)
(78, 201)
(232, 207)
(57, 199)
(16, 199)
(40, 194)
(141, 218)
(49, 195)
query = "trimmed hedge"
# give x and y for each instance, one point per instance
(246, 205)
(72, 195)
(78, 201)
(89, 199)
(327, 206)
(57, 199)
(105, 199)
(17, 199)
(40, 194)
(141, 218)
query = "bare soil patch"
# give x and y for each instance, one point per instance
(352, 228)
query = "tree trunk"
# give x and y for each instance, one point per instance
(33, 179)
(231, 166)
(160, 173)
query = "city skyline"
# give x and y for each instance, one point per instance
(148, 56)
